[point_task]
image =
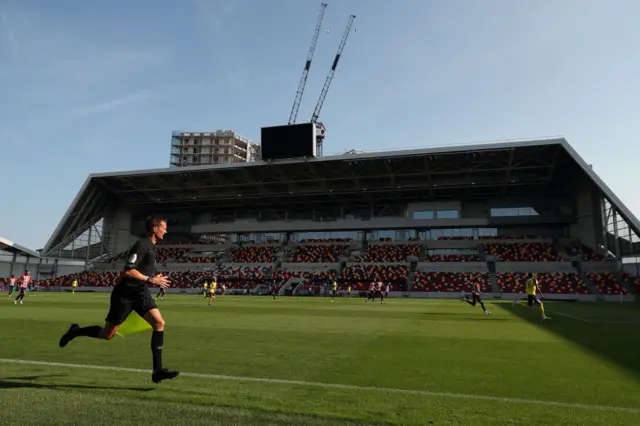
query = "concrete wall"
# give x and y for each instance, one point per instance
(434, 207)
(588, 223)
(19, 267)
(600, 267)
(123, 236)
(541, 267)
(631, 269)
(39, 268)
(355, 225)
(554, 215)
(456, 267)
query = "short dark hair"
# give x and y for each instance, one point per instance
(152, 222)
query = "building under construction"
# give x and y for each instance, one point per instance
(219, 147)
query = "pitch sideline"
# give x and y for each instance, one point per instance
(339, 386)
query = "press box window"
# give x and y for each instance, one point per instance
(423, 214)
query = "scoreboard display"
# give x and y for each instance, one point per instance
(294, 141)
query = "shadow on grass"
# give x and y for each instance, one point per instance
(456, 316)
(27, 382)
(614, 342)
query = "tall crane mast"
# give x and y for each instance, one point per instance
(307, 67)
(327, 83)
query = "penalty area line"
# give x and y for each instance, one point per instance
(340, 386)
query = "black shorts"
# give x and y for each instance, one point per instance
(531, 299)
(212, 293)
(126, 299)
(334, 293)
(476, 298)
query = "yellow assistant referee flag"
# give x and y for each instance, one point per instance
(133, 324)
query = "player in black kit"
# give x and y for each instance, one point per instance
(160, 294)
(476, 293)
(132, 294)
(272, 291)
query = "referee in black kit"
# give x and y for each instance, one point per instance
(132, 293)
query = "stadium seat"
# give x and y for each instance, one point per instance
(255, 254)
(450, 281)
(388, 253)
(525, 252)
(549, 283)
(364, 274)
(607, 284)
(318, 253)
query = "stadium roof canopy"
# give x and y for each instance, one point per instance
(515, 168)
(11, 247)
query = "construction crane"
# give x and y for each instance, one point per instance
(307, 67)
(325, 89)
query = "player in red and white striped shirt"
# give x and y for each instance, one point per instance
(25, 280)
(12, 284)
(378, 291)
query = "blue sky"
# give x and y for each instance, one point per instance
(99, 86)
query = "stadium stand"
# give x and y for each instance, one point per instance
(525, 252)
(428, 222)
(549, 283)
(317, 253)
(607, 283)
(450, 281)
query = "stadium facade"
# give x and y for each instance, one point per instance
(204, 148)
(439, 202)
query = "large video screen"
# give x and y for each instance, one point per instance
(298, 140)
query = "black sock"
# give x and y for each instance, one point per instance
(157, 340)
(483, 308)
(91, 331)
(470, 302)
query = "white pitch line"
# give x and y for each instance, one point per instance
(341, 386)
(588, 320)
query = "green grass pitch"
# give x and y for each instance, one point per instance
(304, 361)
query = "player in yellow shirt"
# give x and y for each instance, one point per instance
(212, 291)
(74, 284)
(334, 291)
(205, 293)
(349, 291)
(532, 290)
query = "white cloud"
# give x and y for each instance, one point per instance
(112, 104)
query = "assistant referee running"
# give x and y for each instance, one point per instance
(132, 294)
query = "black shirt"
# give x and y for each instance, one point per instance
(141, 257)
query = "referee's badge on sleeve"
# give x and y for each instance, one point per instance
(133, 258)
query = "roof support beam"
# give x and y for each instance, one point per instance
(392, 175)
(553, 162)
(505, 188)
(427, 171)
(318, 176)
(143, 191)
(86, 207)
